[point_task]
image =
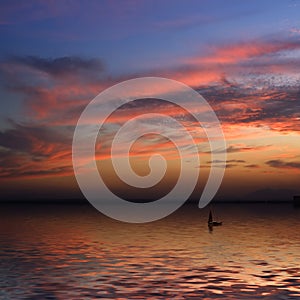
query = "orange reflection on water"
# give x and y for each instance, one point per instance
(73, 252)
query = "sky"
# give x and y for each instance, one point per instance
(243, 57)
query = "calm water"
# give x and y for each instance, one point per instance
(73, 252)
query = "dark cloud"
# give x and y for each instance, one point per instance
(43, 172)
(60, 66)
(228, 166)
(228, 161)
(220, 165)
(17, 164)
(237, 148)
(232, 149)
(277, 163)
(231, 163)
(252, 166)
(33, 139)
(31, 150)
(274, 106)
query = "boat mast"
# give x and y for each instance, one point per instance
(210, 219)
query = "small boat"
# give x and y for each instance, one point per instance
(211, 222)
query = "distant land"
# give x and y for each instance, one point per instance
(86, 202)
(259, 196)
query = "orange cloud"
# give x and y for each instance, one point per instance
(246, 106)
(235, 53)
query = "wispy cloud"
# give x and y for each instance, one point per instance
(242, 51)
(228, 161)
(242, 148)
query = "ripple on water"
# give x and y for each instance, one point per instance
(75, 253)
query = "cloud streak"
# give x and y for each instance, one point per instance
(280, 164)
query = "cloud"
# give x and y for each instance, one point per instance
(252, 166)
(277, 163)
(60, 66)
(56, 90)
(15, 12)
(260, 103)
(242, 51)
(228, 161)
(33, 139)
(228, 166)
(32, 150)
(238, 94)
(240, 148)
(295, 30)
(184, 22)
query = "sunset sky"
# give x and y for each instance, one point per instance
(243, 57)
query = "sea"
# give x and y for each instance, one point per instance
(65, 251)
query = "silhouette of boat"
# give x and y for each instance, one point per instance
(211, 222)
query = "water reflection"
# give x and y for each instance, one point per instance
(63, 252)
